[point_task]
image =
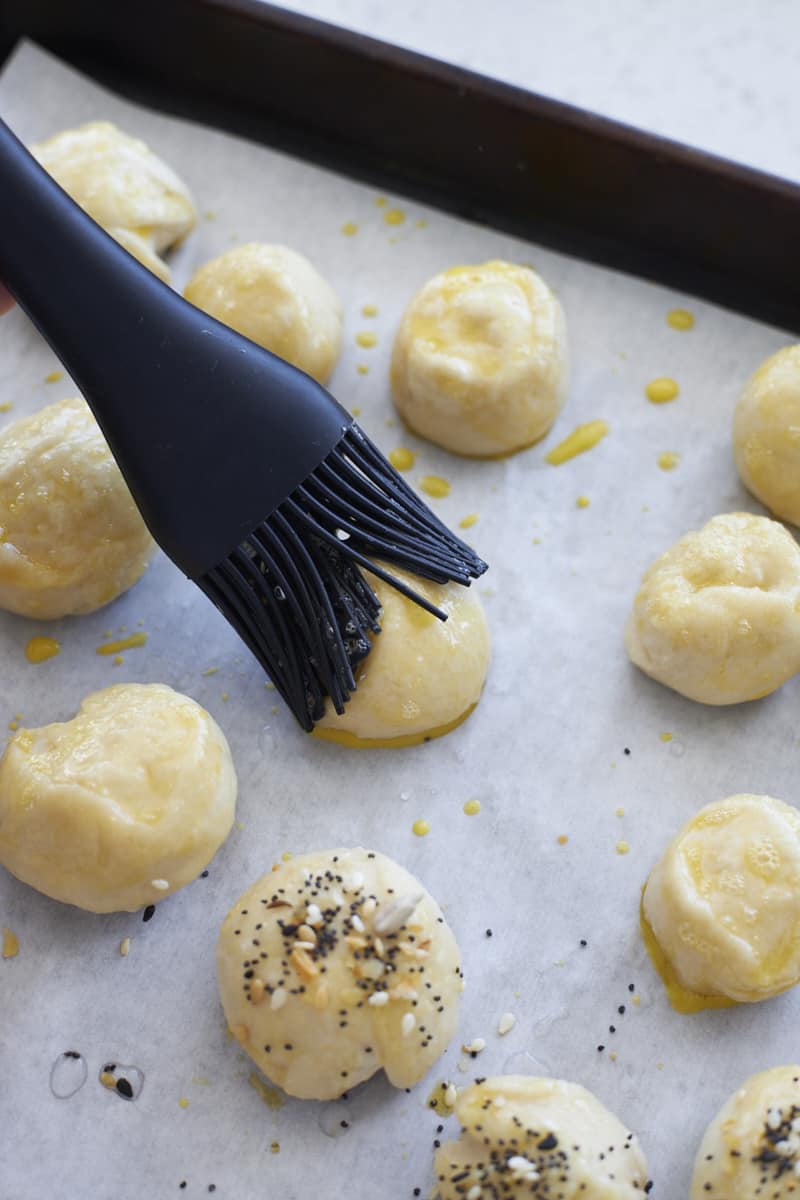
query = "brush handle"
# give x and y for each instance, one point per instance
(210, 431)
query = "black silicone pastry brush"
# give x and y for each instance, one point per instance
(250, 476)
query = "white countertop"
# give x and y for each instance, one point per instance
(722, 75)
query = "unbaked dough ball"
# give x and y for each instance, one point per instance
(71, 537)
(120, 806)
(480, 361)
(525, 1136)
(751, 1150)
(275, 297)
(124, 186)
(335, 965)
(717, 617)
(766, 434)
(422, 676)
(723, 903)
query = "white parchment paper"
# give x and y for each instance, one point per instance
(545, 753)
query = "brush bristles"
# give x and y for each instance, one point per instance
(294, 591)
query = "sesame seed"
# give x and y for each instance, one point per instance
(378, 999)
(278, 998)
(161, 885)
(474, 1047)
(124, 947)
(407, 1024)
(396, 915)
(506, 1024)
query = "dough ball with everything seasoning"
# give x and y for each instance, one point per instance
(423, 676)
(120, 806)
(335, 965)
(723, 902)
(275, 297)
(71, 537)
(766, 434)
(752, 1146)
(717, 617)
(480, 363)
(122, 185)
(526, 1136)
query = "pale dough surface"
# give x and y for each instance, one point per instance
(480, 363)
(751, 1150)
(422, 674)
(717, 617)
(724, 900)
(275, 297)
(527, 1136)
(120, 806)
(122, 185)
(766, 434)
(305, 952)
(71, 537)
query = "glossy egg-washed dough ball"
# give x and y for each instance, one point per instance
(526, 1136)
(717, 617)
(480, 362)
(723, 903)
(71, 537)
(422, 676)
(120, 806)
(335, 965)
(275, 297)
(122, 185)
(766, 434)
(751, 1150)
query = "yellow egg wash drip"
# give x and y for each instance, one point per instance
(10, 944)
(54, 377)
(7, 406)
(661, 390)
(394, 216)
(582, 502)
(39, 649)
(669, 460)
(680, 998)
(367, 339)
(343, 737)
(183, 1102)
(270, 1095)
(468, 521)
(362, 369)
(128, 643)
(665, 737)
(402, 459)
(421, 827)
(369, 310)
(472, 808)
(349, 228)
(680, 318)
(434, 485)
(583, 438)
